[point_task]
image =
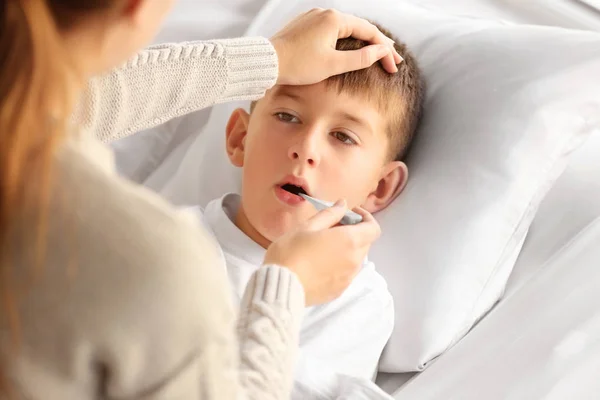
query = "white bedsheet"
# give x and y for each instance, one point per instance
(572, 14)
(542, 341)
(348, 388)
(550, 309)
(569, 208)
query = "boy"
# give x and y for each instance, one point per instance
(342, 138)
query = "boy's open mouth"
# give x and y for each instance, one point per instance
(294, 189)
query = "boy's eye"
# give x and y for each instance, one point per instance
(287, 117)
(344, 138)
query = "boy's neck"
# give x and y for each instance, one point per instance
(243, 224)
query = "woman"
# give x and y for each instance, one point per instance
(107, 291)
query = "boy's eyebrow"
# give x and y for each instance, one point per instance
(285, 92)
(355, 119)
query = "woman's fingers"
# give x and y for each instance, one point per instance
(363, 58)
(358, 28)
(306, 47)
(327, 218)
(362, 29)
(366, 232)
(325, 258)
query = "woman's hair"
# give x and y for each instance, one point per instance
(35, 105)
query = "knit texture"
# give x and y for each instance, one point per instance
(168, 81)
(133, 299)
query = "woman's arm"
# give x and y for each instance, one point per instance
(171, 80)
(259, 362)
(268, 330)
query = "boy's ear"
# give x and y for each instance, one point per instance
(132, 6)
(135, 10)
(235, 139)
(392, 182)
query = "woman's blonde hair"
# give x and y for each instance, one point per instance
(35, 106)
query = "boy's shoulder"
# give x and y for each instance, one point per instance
(368, 289)
(371, 283)
(367, 298)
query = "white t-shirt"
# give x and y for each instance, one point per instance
(342, 338)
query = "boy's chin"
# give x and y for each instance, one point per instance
(274, 231)
(276, 226)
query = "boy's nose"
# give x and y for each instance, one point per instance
(305, 152)
(309, 160)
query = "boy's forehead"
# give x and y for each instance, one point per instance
(298, 93)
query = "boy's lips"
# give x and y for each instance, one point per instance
(288, 189)
(295, 185)
(288, 198)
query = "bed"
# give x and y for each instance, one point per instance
(542, 340)
(558, 355)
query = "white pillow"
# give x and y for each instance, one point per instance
(506, 105)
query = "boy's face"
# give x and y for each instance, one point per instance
(332, 145)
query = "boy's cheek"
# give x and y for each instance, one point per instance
(357, 187)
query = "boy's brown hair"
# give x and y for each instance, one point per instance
(399, 96)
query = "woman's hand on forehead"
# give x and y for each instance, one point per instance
(307, 53)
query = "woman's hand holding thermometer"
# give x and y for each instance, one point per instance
(350, 218)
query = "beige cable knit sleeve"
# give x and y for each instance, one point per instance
(170, 80)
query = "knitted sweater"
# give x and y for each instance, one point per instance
(133, 300)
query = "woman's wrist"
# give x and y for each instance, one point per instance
(279, 48)
(275, 284)
(252, 66)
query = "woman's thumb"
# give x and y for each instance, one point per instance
(329, 217)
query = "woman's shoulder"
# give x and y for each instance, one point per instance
(142, 257)
(126, 216)
(129, 284)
